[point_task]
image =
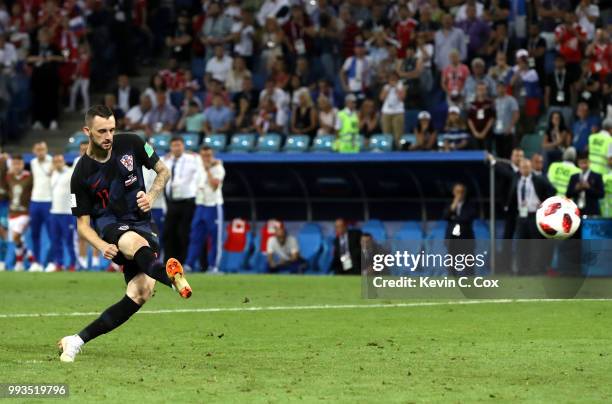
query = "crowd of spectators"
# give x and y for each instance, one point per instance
(457, 74)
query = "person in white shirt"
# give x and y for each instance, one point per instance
(61, 222)
(180, 198)
(158, 210)
(138, 116)
(207, 223)
(392, 97)
(283, 252)
(40, 205)
(356, 71)
(219, 66)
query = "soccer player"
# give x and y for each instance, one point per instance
(113, 214)
(40, 206)
(4, 204)
(207, 222)
(61, 222)
(19, 190)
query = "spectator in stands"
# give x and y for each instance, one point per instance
(218, 117)
(549, 12)
(350, 31)
(600, 54)
(556, 139)
(299, 33)
(571, 38)
(8, 56)
(273, 9)
(456, 136)
(481, 117)
(283, 252)
(499, 41)
(537, 163)
(425, 134)
(500, 71)
(324, 88)
(216, 88)
(425, 55)
(404, 29)
(355, 73)
(409, 70)
(477, 77)
(163, 117)
(460, 216)
(279, 96)
(269, 119)
(583, 126)
(506, 117)
(327, 42)
(218, 66)
(189, 97)
(392, 99)
(378, 51)
(526, 90)
(280, 74)
(327, 115)
(454, 76)
(216, 29)
(369, 118)
(156, 84)
(272, 39)
(80, 78)
(138, 116)
(192, 120)
(110, 100)
(448, 41)
(586, 188)
(427, 27)
(536, 46)
(44, 59)
(347, 250)
(243, 33)
(234, 82)
(126, 95)
(179, 42)
(559, 90)
(587, 14)
(244, 122)
(476, 30)
(588, 88)
(305, 75)
(61, 222)
(247, 92)
(304, 116)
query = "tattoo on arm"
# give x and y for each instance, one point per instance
(163, 174)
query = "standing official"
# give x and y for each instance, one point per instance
(586, 188)
(40, 205)
(61, 222)
(207, 223)
(180, 197)
(347, 250)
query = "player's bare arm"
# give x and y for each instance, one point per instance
(88, 233)
(145, 200)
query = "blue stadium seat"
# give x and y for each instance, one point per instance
(216, 141)
(242, 143)
(270, 142)
(382, 142)
(258, 262)
(435, 244)
(296, 143)
(75, 140)
(161, 141)
(236, 261)
(326, 257)
(410, 231)
(376, 228)
(481, 230)
(323, 143)
(407, 138)
(310, 240)
(192, 141)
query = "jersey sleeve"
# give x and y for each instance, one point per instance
(80, 200)
(145, 154)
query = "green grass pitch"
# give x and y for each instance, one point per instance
(511, 352)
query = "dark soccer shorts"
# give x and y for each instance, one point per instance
(113, 232)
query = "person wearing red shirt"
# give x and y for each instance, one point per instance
(600, 54)
(570, 37)
(404, 30)
(454, 75)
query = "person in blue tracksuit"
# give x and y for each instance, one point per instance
(40, 204)
(4, 205)
(207, 222)
(61, 223)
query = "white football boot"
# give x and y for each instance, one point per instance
(51, 267)
(69, 347)
(35, 267)
(2, 266)
(19, 267)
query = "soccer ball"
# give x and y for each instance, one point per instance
(558, 217)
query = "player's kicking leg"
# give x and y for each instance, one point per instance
(136, 250)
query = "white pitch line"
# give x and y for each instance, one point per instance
(316, 307)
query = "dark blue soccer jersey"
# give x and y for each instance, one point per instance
(107, 191)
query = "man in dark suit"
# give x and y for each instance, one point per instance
(127, 96)
(460, 215)
(347, 250)
(586, 188)
(527, 193)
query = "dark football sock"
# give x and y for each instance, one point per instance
(112, 318)
(147, 262)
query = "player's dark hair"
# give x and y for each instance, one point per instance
(177, 139)
(205, 148)
(97, 110)
(17, 156)
(582, 156)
